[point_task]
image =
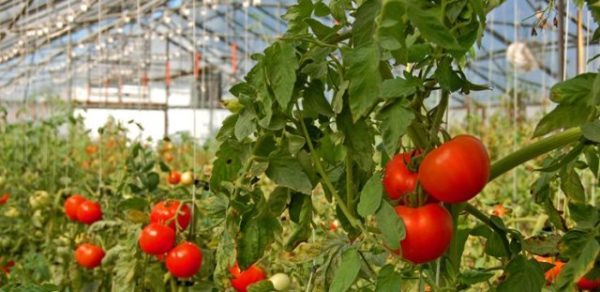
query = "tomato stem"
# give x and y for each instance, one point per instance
(533, 150)
(325, 179)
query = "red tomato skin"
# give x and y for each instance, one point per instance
(398, 179)
(89, 212)
(6, 268)
(4, 198)
(156, 239)
(89, 256)
(242, 279)
(456, 171)
(428, 232)
(165, 211)
(587, 284)
(174, 177)
(184, 260)
(71, 205)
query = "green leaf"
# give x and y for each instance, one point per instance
(388, 279)
(314, 102)
(470, 277)
(295, 17)
(294, 142)
(395, 120)
(261, 286)
(585, 216)
(575, 90)
(447, 77)
(392, 228)
(577, 267)
(278, 200)
(391, 26)
(571, 185)
(338, 99)
(364, 77)
(347, 271)
(564, 116)
(591, 131)
(245, 124)
(136, 203)
(370, 196)
(358, 138)
(542, 245)
(319, 29)
(363, 28)
(227, 164)
(286, 171)
(281, 65)
(255, 236)
(152, 180)
(522, 275)
(398, 87)
(227, 127)
(591, 156)
(429, 23)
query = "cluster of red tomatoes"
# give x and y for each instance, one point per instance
(159, 237)
(551, 274)
(77, 208)
(452, 173)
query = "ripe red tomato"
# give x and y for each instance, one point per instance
(184, 260)
(164, 212)
(71, 206)
(456, 171)
(587, 284)
(89, 212)
(157, 239)
(91, 149)
(428, 232)
(6, 268)
(242, 279)
(4, 198)
(174, 177)
(553, 272)
(89, 256)
(398, 179)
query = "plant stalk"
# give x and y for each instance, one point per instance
(533, 150)
(485, 219)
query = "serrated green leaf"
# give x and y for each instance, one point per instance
(388, 279)
(370, 196)
(255, 236)
(578, 266)
(399, 87)
(571, 185)
(280, 67)
(288, 172)
(392, 228)
(364, 77)
(591, 131)
(429, 23)
(347, 271)
(395, 120)
(522, 275)
(564, 116)
(245, 124)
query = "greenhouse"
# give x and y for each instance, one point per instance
(299, 145)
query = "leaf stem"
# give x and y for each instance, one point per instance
(487, 221)
(437, 118)
(349, 181)
(534, 150)
(325, 179)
